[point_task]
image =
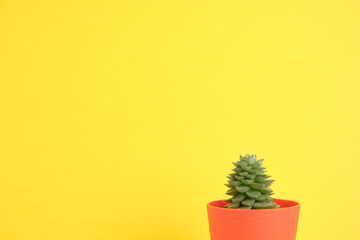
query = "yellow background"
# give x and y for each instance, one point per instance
(120, 119)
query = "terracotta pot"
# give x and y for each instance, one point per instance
(253, 224)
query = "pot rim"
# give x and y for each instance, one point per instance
(296, 205)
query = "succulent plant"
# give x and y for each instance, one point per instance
(249, 185)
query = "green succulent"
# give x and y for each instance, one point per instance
(249, 185)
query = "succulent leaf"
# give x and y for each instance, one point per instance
(235, 183)
(242, 163)
(262, 198)
(246, 168)
(244, 207)
(239, 197)
(248, 202)
(250, 176)
(242, 189)
(239, 177)
(260, 179)
(257, 185)
(268, 183)
(234, 205)
(232, 192)
(247, 181)
(259, 161)
(254, 170)
(231, 177)
(262, 204)
(263, 175)
(251, 160)
(265, 190)
(253, 194)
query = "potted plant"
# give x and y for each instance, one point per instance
(251, 213)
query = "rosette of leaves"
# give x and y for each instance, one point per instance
(249, 185)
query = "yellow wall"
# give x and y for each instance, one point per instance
(120, 119)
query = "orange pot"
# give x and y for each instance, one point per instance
(253, 224)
